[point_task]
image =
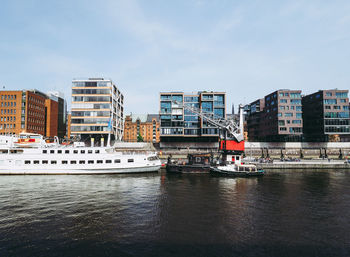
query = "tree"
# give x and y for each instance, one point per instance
(139, 138)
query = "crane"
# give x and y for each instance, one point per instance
(232, 139)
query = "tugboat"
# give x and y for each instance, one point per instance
(196, 163)
(234, 168)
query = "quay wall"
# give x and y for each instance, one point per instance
(273, 150)
(307, 150)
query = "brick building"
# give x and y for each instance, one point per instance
(51, 111)
(146, 125)
(277, 117)
(27, 111)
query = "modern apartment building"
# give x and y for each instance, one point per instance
(278, 117)
(181, 125)
(97, 109)
(145, 125)
(326, 116)
(253, 117)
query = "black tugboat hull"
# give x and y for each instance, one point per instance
(244, 174)
(174, 168)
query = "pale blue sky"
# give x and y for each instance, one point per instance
(246, 48)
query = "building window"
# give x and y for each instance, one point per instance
(341, 95)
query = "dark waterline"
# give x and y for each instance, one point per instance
(280, 214)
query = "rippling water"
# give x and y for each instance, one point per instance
(280, 214)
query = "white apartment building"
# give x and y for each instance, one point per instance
(97, 109)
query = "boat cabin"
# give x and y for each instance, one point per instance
(199, 159)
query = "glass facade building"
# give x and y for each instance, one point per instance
(97, 109)
(326, 116)
(177, 123)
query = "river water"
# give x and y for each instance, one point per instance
(280, 214)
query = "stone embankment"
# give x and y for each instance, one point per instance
(307, 150)
(304, 164)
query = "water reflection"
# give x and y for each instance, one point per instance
(280, 214)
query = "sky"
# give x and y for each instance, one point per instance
(245, 48)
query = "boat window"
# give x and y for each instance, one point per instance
(26, 162)
(66, 151)
(89, 151)
(73, 162)
(36, 162)
(52, 151)
(81, 162)
(99, 161)
(130, 160)
(75, 151)
(3, 151)
(237, 158)
(64, 162)
(152, 158)
(90, 162)
(59, 151)
(97, 151)
(44, 151)
(53, 162)
(117, 161)
(108, 161)
(16, 151)
(82, 151)
(45, 162)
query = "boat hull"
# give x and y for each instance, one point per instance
(81, 171)
(173, 168)
(219, 172)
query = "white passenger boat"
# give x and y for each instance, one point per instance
(76, 159)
